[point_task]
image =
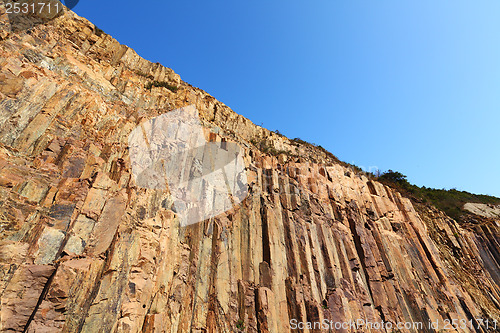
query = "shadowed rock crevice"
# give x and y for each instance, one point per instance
(40, 299)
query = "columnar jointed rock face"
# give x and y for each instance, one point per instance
(84, 249)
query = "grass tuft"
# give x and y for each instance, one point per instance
(163, 84)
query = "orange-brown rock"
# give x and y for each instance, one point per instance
(84, 249)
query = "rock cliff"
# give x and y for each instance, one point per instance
(84, 249)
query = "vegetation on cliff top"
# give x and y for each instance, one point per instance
(449, 201)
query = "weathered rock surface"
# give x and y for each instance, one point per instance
(485, 210)
(84, 249)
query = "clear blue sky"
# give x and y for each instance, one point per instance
(412, 86)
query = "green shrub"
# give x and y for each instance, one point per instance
(300, 141)
(98, 31)
(240, 325)
(163, 84)
(394, 177)
(278, 133)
